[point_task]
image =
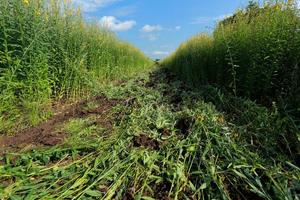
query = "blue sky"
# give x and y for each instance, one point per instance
(157, 27)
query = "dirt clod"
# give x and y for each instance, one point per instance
(144, 141)
(51, 139)
(162, 190)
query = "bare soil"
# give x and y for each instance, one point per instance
(144, 141)
(45, 134)
(162, 190)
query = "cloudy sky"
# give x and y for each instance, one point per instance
(157, 27)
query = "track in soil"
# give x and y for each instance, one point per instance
(46, 133)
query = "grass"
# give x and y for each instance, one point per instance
(169, 141)
(48, 52)
(254, 53)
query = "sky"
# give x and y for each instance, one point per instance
(158, 27)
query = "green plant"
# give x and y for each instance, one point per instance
(48, 52)
(212, 145)
(255, 53)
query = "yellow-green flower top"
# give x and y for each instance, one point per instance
(26, 2)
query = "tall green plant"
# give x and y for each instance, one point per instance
(48, 51)
(255, 53)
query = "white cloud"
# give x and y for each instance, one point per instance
(177, 28)
(93, 5)
(111, 23)
(149, 32)
(206, 20)
(160, 53)
(148, 28)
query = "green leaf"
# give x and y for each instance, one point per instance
(203, 186)
(93, 193)
(192, 186)
(148, 198)
(79, 182)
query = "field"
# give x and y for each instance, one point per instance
(46, 56)
(94, 118)
(254, 53)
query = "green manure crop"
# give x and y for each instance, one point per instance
(254, 53)
(48, 52)
(230, 134)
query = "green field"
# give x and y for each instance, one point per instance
(84, 115)
(46, 56)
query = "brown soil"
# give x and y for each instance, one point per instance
(144, 141)
(162, 191)
(45, 134)
(129, 195)
(165, 132)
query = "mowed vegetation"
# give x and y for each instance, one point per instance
(152, 138)
(222, 125)
(48, 52)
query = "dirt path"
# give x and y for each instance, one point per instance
(46, 134)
